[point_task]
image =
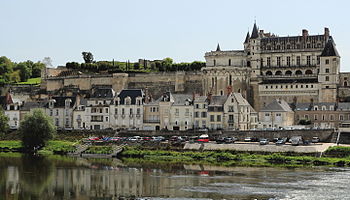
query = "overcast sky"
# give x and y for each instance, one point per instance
(154, 29)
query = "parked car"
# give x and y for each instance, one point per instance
(203, 138)
(263, 141)
(220, 140)
(296, 140)
(315, 140)
(229, 140)
(247, 139)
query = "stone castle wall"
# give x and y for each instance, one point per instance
(156, 83)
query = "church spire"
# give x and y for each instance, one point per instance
(247, 38)
(255, 33)
(218, 47)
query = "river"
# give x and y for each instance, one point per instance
(23, 177)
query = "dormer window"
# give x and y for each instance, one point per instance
(127, 101)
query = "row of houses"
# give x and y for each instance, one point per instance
(131, 109)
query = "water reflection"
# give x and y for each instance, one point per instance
(66, 178)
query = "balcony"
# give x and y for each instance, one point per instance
(152, 121)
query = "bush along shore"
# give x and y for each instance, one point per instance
(334, 156)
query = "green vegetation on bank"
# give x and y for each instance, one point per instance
(230, 158)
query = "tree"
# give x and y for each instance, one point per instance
(3, 122)
(37, 68)
(36, 129)
(88, 57)
(24, 71)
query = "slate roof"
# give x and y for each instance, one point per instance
(180, 99)
(31, 105)
(247, 38)
(277, 105)
(103, 93)
(218, 47)
(310, 106)
(255, 33)
(344, 106)
(61, 102)
(217, 100)
(329, 49)
(132, 93)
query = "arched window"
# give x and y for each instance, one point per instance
(278, 73)
(268, 73)
(345, 84)
(288, 73)
(298, 72)
(308, 71)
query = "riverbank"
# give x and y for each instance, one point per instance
(139, 153)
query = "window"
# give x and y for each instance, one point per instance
(212, 118)
(196, 114)
(308, 60)
(298, 60)
(268, 61)
(218, 118)
(278, 61)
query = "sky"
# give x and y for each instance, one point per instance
(155, 29)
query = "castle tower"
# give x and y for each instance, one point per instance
(328, 76)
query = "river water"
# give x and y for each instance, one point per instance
(23, 177)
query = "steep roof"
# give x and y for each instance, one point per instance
(218, 47)
(247, 38)
(329, 49)
(103, 93)
(61, 101)
(132, 93)
(277, 105)
(217, 100)
(255, 33)
(181, 99)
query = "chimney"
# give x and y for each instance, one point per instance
(305, 33)
(146, 95)
(326, 32)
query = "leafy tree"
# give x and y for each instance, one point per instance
(37, 68)
(36, 129)
(3, 122)
(24, 71)
(88, 57)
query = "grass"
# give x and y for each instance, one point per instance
(230, 158)
(10, 145)
(99, 150)
(31, 81)
(58, 147)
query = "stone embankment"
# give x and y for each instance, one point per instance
(255, 147)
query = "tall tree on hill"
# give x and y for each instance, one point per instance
(88, 57)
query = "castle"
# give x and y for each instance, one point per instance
(297, 69)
